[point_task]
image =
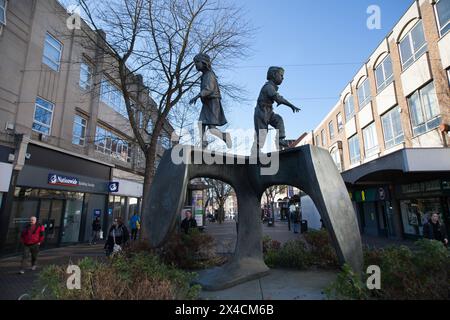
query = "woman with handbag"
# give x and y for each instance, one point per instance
(118, 236)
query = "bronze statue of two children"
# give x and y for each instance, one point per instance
(212, 114)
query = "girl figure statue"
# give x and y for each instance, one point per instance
(212, 114)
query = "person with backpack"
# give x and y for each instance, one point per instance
(118, 236)
(32, 237)
(135, 225)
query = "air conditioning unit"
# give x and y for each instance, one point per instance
(43, 137)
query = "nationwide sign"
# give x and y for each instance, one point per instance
(60, 180)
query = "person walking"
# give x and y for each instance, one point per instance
(32, 237)
(118, 237)
(135, 225)
(435, 230)
(96, 228)
(188, 222)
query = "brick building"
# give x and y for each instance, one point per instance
(388, 133)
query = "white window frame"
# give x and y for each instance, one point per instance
(339, 124)
(80, 138)
(395, 137)
(112, 96)
(371, 146)
(44, 57)
(331, 129)
(114, 145)
(367, 97)
(438, 21)
(428, 124)
(36, 105)
(354, 160)
(336, 156)
(349, 99)
(323, 137)
(416, 54)
(4, 8)
(386, 81)
(86, 67)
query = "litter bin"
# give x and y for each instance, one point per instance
(304, 226)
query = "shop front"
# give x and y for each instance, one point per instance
(375, 211)
(63, 191)
(419, 200)
(126, 198)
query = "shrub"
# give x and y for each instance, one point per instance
(348, 286)
(292, 254)
(269, 244)
(139, 276)
(420, 273)
(322, 251)
(195, 250)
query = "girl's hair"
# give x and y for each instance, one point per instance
(203, 57)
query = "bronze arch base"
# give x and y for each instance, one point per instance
(309, 168)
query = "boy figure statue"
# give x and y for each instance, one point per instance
(264, 115)
(212, 112)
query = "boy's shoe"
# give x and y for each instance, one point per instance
(283, 144)
(21, 271)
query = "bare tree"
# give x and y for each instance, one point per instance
(158, 39)
(219, 192)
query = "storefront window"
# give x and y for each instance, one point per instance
(416, 212)
(72, 218)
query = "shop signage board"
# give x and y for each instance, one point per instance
(113, 187)
(60, 180)
(97, 212)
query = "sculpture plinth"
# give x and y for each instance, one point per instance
(308, 168)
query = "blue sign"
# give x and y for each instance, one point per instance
(60, 180)
(97, 212)
(113, 187)
(110, 211)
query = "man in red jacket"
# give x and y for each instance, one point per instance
(32, 237)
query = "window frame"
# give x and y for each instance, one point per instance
(370, 152)
(36, 104)
(58, 64)
(363, 86)
(323, 137)
(387, 81)
(341, 126)
(85, 130)
(5, 9)
(350, 143)
(352, 115)
(427, 122)
(331, 129)
(333, 152)
(112, 147)
(438, 22)
(415, 55)
(88, 86)
(112, 97)
(395, 137)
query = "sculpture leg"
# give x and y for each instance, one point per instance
(247, 263)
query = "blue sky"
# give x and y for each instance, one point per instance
(330, 37)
